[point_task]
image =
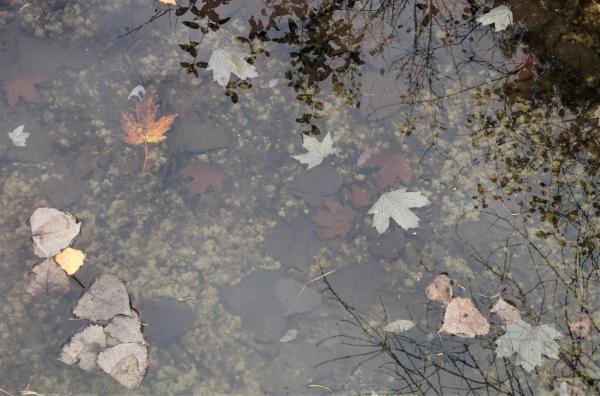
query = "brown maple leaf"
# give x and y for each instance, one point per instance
(203, 176)
(23, 87)
(337, 220)
(391, 165)
(143, 127)
(360, 197)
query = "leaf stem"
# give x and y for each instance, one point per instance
(145, 157)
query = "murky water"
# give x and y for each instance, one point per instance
(222, 237)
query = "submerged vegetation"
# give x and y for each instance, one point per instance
(226, 241)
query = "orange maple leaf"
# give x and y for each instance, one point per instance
(23, 87)
(143, 127)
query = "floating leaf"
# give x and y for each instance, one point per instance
(18, 136)
(396, 205)
(107, 297)
(337, 220)
(127, 363)
(507, 313)
(501, 17)
(48, 278)
(84, 347)
(52, 231)
(143, 127)
(399, 326)
(203, 176)
(463, 319)
(123, 329)
(223, 62)
(23, 87)
(316, 151)
(440, 289)
(170, 2)
(391, 165)
(70, 260)
(529, 343)
(138, 91)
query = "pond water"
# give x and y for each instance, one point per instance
(255, 275)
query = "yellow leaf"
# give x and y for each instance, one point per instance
(174, 2)
(70, 260)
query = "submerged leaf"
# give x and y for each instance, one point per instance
(396, 205)
(391, 165)
(18, 136)
(581, 328)
(463, 319)
(48, 278)
(52, 231)
(70, 260)
(529, 343)
(107, 297)
(223, 62)
(23, 87)
(127, 363)
(337, 220)
(84, 347)
(203, 177)
(316, 151)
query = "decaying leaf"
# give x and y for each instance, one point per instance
(316, 151)
(84, 347)
(501, 17)
(143, 127)
(507, 313)
(391, 165)
(337, 220)
(529, 343)
(107, 297)
(223, 62)
(48, 278)
(18, 136)
(289, 336)
(203, 176)
(581, 328)
(123, 329)
(127, 363)
(23, 87)
(52, 231)
(399, 326)
(463, 319)
(70, 260)
(360, 197)
(396, 205)
(440, 289)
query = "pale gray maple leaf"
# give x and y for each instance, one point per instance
(19, 136)
(500, 16)
(138, 92)
(529, 343)
(396, 205)
(316, 151)
(223, 62)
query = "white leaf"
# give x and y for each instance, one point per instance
(529, 343)
(396, 205)
(223, 62)
(52, 231)
(139, 92)
(399, 326)
(500, 16)
(316, 151)
(18, 136)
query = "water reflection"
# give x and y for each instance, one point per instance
(507, 156)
